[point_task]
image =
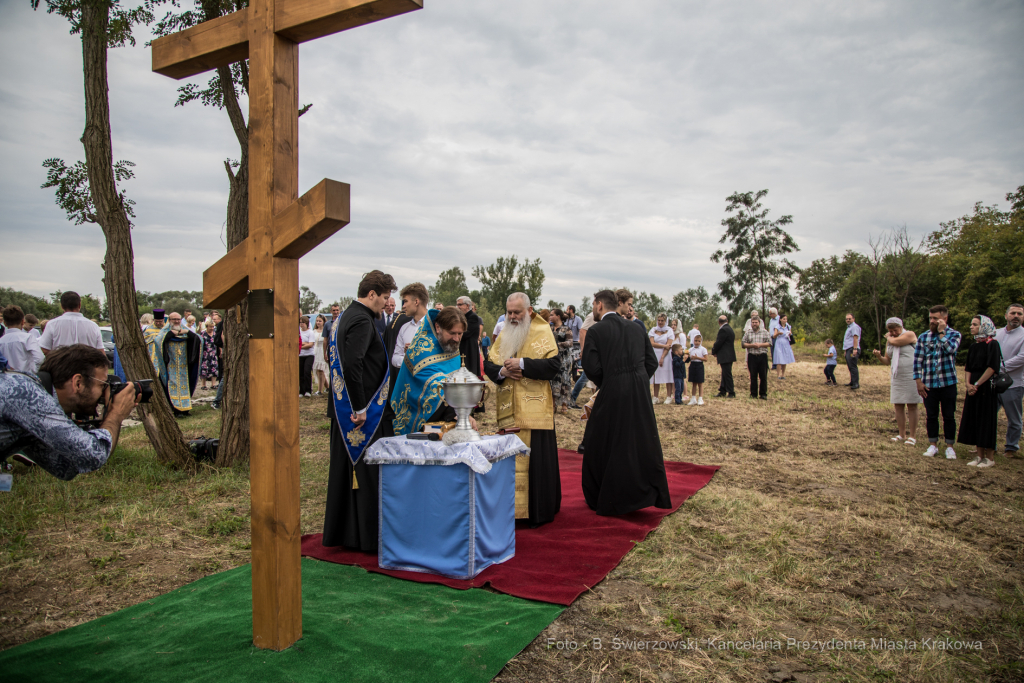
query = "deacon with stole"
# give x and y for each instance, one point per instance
(522, 361)
(359, 392)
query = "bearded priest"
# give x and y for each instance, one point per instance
(522, 362)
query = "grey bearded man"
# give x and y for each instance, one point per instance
(522, 362)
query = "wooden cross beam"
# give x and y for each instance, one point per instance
(282, 228)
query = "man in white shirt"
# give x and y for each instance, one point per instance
(19, 347)
(414, 304)
(1011, 344)
(497, 328)
(30, 326)
(70, 328)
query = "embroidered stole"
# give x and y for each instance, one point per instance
(355, 437)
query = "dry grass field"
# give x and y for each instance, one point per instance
(820, 551)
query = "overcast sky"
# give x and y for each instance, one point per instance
(601, 137)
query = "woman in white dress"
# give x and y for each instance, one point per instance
(321, 370)
(662, 337)
(783, 354)
(899, 356)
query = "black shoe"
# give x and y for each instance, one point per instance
(579, 449)
(730, 396)
(763, 398)
(854, 386)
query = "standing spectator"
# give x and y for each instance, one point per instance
(321, 370)
(19, 347)
(899, 356)
(724, 351)
(746, 328)
(485, 343)
(70, 328)
(935, 373)
(782, 350)
(662, 339)
(30, 326)
(773, 322)
(830, 363)
(306, 351)
(145, 320)
(561, 385)
(575, 324)
(851, 348)
(497, 327)
(1011, 343)
(698, 355)
(218, 341)
(679, 358)
(581, 381)
(469, 347)
(693, 333)
(757, 342)
(981, 405)
(190, 323)
(209, 369)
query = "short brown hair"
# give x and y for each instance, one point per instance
(416, 289)
(623, 295)
(13, 316)
(606, 297)
(68, 361)
(939, 309)
(449, 317)
(31, 319)
(376, 281)
(69, 301)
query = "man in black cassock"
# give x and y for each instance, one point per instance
(623, 468)
(522, 362)
(351, 516)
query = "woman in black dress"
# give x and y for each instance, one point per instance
(978, 422)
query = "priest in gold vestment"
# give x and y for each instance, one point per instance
(522, 362)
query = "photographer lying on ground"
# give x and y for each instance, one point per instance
(35, 423)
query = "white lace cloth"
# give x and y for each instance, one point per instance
(477, 455)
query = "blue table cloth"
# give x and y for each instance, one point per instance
(447, 510)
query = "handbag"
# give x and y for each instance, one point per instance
(1001, 381)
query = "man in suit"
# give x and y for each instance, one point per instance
(724, 352)
(388, 316)
(623, 466)
(351, 519)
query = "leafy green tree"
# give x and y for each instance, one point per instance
(586, 306)
(309, 302)
(981, 260)
(755, 273)
(552, 305)
(450, 285)
(507, 275)
(689, 303)
(90, 192)
(343, 302)
(36, 305)
(648, 306)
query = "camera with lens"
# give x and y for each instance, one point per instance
(143, 388)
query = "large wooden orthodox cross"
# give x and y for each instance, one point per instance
(282, 228)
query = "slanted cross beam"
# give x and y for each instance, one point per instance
(282, 227)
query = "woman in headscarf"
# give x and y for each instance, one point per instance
(978, 422)
(662, 338)
(899, 356)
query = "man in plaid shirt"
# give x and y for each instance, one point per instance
(756, 342)
(935, 372)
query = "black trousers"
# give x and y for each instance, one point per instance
(305, 374)
(757, 364)
(944, 399)
(725, 387)
(851, 365)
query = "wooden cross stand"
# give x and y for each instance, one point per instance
(282, 227)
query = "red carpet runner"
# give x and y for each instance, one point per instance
(558, 561)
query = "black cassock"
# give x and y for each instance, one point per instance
(351, 516)
(623, 467)
(470, 344)
(545, 495)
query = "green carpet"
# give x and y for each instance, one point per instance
(356, 627)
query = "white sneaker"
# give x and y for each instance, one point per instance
(974, 462)
(931, 452)
(655, 400)
(668, 401)
(950, 453)
(700, 401)
(693, 401)
(986, 463)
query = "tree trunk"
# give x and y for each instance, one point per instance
(234, 431)
(119, 262)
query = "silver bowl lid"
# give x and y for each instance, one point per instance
(462, 376)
